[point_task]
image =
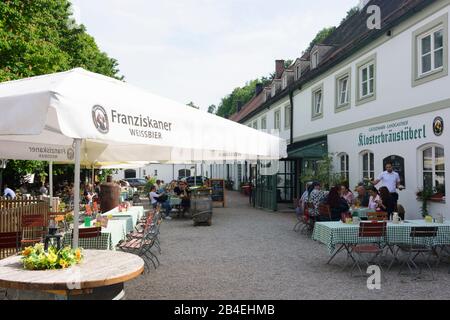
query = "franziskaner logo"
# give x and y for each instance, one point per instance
(100, 119)
(70, 154)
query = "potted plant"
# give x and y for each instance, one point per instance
(425, 195)
(36, 258)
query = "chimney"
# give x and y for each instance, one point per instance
(259, 88)
(279, 68)
(239, 105)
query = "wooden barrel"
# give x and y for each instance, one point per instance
(109, 195)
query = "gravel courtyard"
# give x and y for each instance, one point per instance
(254, 254)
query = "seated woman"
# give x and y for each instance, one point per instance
(156, 198)
(387, 202)
(374, 198)
(338, 205)
(347, 194)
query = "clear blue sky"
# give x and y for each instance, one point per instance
(199, 50)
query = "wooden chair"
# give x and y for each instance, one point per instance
(86, 233)
(10, 241)
(324, 212)
(373, 235)
(377, 216)
(33, 229)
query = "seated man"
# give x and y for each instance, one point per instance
(185, 194)
(363, 196)
(8, 193)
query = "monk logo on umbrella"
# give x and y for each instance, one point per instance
(70, 154)
(100, 119)
(438, 126)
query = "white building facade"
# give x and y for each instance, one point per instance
(386, 98)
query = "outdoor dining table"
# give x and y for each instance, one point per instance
(99, 276)
(116, 230)
(136, 212)
(338, 236)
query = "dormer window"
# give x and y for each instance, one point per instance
(315, 59)
(284, 83)
(298, 71)
(274, 90)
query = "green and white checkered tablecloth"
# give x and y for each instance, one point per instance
(362, 212)
(336, 233)
(103, 242)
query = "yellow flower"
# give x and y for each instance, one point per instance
(63, 263)
(52, 257)
(27, 251)
(78, 255)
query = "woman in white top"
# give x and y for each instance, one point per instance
(374, 198)
(154, 197)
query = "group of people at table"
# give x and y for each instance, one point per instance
(341, 199)
(160, 194)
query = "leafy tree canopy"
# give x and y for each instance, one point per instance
(40, 37)
(321, 35)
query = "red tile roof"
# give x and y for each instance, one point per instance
(248, 107)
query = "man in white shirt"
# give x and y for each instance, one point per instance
(8, 193)
(390, 179)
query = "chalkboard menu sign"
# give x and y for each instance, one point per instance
(218, 190)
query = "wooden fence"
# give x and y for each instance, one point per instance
(11, 213)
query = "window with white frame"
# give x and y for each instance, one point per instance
(367, 80)
(343, 91)
(284, 82)
(255, 125)
(274, 90)
(368, 166)
(287, 116)
(264, 123)
(298, 71)
(277, 120)
(317, 102)
(315, 59)
(344, 167)
(431, 51)
(433, 168)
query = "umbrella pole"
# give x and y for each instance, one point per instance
(76, 193)
(93, 176)
(50, 183)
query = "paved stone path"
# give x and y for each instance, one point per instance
(253, 254)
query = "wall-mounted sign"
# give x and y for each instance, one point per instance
(438, 126)
(400, 131)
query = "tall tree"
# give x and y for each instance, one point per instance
(321, 35)
(212, 108)
(40, 37)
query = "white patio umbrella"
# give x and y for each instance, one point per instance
(86, 118)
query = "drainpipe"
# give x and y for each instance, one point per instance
(291, 99)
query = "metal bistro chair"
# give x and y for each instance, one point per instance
(33, 230)
(141, 245)
(308, 219)
(324, 212)
(421, 244)
(374, 234)
(377, 216)
(10, 241)
(87, 233)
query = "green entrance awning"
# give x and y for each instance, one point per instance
(309, 149)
